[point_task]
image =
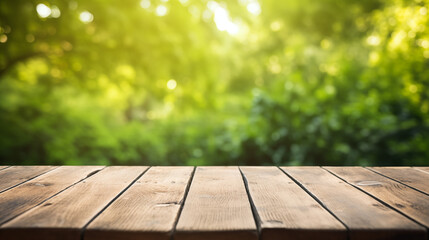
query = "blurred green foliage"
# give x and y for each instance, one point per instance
(196, 82)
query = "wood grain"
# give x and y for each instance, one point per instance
(147, 210)
(398, 196)
(15, 175)
(67, 213)
(406, 175)
(365, 217)
(217, 207)
(285, 210)
(424, 169)
(304, 203)
(25, 196)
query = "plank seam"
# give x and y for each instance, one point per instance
(379, 200)
(318, 201)
(419, 169)
(182, 203)
(255, 214)
(16, 185)
(393, 179)
(110, 202)
(1, 169)
(83, 179)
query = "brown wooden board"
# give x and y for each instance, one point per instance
(15, 175)
(304, 203)
(365, 217)
(3, 167)
(147, 210)
(217, 207)
(285, 210)
(398, 196)
(65, 215)
(424, 169)
(25, 196)
(406, 175)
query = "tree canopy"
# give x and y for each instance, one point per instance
(197, 82)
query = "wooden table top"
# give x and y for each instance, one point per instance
(119, 202)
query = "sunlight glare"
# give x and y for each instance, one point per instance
(86, 17)
(373, 40)
(222, 19)
(161, 10)
(43, 11)
(171, 84)
(254, 8)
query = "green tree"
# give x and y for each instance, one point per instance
(167, 82)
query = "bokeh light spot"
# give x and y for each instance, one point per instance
(412, 88)
(222, 19)
(86, 17)
(254, 8)
(3, 38)
(423, 43)
(325, 44)
(171, 84)
(145, 4)
(161, 10)
(30, 38)
(276, 26)
(423, 11)
(43, 11)
(55, 12)
(373, 40)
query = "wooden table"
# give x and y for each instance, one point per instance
(97, 202)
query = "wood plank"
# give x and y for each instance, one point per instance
(424, 169)
(3, 167)
(285, 210)
(25, 196)
(217, 207)
(407, 175)
(15, 175)
(398, 196)
(147, 210)
(365, 217)
(65, 215)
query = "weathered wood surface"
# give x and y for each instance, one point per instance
(148, 210)
(406, 200)
(365, 217)
(93, 202)
(26, 196)
(3, 167)
(217, 207)
(424, 169)
(285, 210)
(67, 213)
(406, 175)
(15, 175)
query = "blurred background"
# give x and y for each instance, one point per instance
(196, 82)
